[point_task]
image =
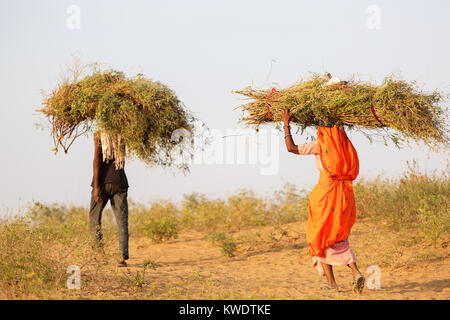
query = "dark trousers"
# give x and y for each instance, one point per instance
(118, 199)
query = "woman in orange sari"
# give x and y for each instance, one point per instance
(332, 210)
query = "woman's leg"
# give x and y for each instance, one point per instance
(328, 269)
(355, 271)
(359, 279)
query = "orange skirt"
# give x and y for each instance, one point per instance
(332, 213)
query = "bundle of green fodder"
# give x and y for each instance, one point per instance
(140, 114)
(395, 104)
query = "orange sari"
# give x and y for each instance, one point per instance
(332, 210)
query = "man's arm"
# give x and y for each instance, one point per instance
(290, 145)
(97, 163)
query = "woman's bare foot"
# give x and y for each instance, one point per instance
(329, 288)
(359, 283)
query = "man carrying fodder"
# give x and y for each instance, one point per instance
(130, 117)
(109, 183)
(330, 105)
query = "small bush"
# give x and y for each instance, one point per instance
(228, 248)
(159, 222)
(160, 229)
(226, 243)
(416, 200)
(289, 205)
(434, 217)
(217, 237)
(199, 212)
(245, 209)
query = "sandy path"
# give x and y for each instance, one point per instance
(192, 267)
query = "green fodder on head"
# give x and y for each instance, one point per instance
(144, 113)
(413, 113)
(398, 105)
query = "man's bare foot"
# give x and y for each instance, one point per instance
(122, 263)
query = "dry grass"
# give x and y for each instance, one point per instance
(398, 104)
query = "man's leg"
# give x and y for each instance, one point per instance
(95, 217)
(119, 204)
(328, 269)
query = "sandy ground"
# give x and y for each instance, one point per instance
(270, 263)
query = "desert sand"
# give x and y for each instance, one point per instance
(269, 263)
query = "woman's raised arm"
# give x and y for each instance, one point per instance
(306, 148)
(290, 145)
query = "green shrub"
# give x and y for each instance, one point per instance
(225, 241)
(289, 205)
(228, 248)
(199, 212)
(245, 209)
(160, 229)
(434, 217)
(373, 197)
(217, 237)
(159, 222)
(414, 200)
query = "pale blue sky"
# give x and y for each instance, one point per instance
(204, 50)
